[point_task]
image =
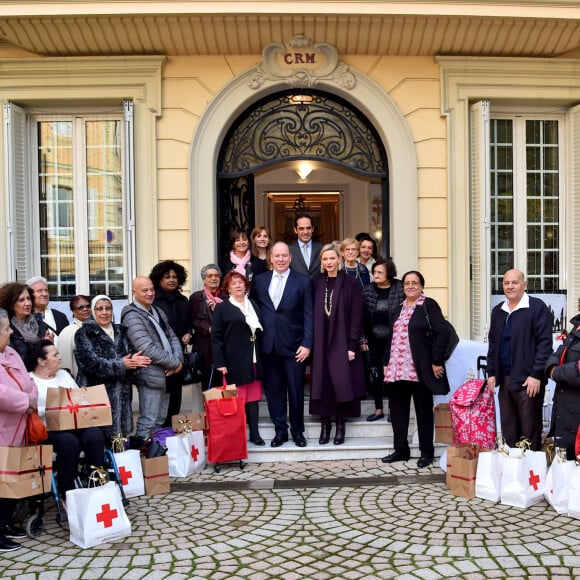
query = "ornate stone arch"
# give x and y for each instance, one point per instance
(365, 95)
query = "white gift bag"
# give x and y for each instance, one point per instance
(557, 482)
(130, 472)
(488, 476)
(96, 515)
(574, 491)
(523, 478)
(186, 453)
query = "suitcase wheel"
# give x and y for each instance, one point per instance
(216, 468)
(242, 464)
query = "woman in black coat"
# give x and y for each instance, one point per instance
(563, 368)
(103, 357)
(28, 328)
(416, 368)
(240, 258)
(381, 301)
(168, 278)
(235, 344)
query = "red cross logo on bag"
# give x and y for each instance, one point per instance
(125, 475)
(534, 480)
(107, 515)
(194, 452)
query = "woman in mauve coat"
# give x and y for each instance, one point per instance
(18, 397)
(337, 384)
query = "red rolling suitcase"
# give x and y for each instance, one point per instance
(226, 436)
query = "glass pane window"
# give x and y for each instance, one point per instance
(525, 200)
(81, 205)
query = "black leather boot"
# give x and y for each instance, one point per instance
(326, 426)
(340, 431)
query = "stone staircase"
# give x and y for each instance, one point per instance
(364, 440)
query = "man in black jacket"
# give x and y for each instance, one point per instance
(520, 342)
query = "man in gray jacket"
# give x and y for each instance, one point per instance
(148, 331)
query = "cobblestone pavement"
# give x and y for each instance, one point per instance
(323, 520)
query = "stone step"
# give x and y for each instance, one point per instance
(364, 439)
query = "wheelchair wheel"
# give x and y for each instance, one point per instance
(34, 526)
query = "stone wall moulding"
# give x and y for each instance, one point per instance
(301, 64)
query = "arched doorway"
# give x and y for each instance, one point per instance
(295, 125)
(368, 97)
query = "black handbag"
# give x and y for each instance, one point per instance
(452, 338)
(192, 366)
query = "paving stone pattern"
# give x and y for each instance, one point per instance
(323, 520)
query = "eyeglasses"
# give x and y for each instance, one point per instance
(83, 307)
(103, 308)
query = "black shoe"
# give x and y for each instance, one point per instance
(278, 440)
(7, 545)
(299, 440)
(396, 456)
(11, 531)
(257, 440)
(375, 417)
(424, 462)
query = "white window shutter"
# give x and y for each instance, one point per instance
(19, 206)
(573, 282)
(480, 219)
(129, 193)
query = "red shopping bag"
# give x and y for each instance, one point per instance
(226, 436)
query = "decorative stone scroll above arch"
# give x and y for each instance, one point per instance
(299, 63)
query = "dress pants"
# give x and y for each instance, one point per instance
(153, 404)
(400, 393)
(68, 446)
(521, 416)
(284, 386)
(174, 386)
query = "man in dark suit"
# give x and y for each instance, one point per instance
(305, 251)
(285, 300)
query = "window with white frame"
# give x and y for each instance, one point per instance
(518, 198)
(525, 177)
(69, 214)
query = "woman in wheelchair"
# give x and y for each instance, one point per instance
(43, 364)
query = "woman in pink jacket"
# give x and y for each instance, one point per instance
(18, 396)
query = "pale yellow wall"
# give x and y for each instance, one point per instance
(189, 83)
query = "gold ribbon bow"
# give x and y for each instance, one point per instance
(98, 476)
(184, 426)
(561, 454)
(551, 449)
(118, 443)
(524, 444)
(502, 447)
